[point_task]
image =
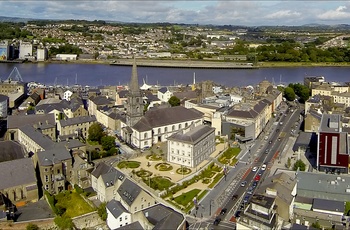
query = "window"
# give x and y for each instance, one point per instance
(158, 130)
(186, 124)
(46, 178)
(179, 126)
(145, 135)
(46, 187)
(146, 142)
(149, 204)
(141, 206)
(173, 128)
(120, 218)
(166, 129)
(135, 209)
(126, 217)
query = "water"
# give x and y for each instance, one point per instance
(99, 74)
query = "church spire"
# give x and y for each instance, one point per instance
(134, 83)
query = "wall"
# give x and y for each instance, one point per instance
(88, 220)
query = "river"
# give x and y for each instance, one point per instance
(100, 74)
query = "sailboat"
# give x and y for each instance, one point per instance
(145, 86)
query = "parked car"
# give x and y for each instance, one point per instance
(257, 178)
(246, 199)
(255, 169)
(263, 167)
(244, 183)
(255, 183)
(217, 221)
(223, 211)
(250, 190)
(238, 213)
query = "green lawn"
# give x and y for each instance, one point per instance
(159, 183)
(226, 157)
(128, 164)
(74, 204)
(347, 208)
(187, 197)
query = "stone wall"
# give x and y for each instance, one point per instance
(88, 221)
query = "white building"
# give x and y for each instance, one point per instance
(4, 101)
(25, 50)
(67, 94)
(66, 57)
(164, 94)
(192, 145)
(117, 215)
(41, 54)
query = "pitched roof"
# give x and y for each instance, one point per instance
(163, 90)
(329, 205)
(133, 226)
(163, 217)
(166, 116)
(16, 121)
(42, 140)
(54, 155)
(17, 172)
(102, 168)
(77, 120)
(129, 191)
(110, 178)
(116, 208)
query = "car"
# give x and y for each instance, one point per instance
(234, 197)
(244, 183)
(270, 142)
(267, 151)
(254, 169)
(257, 178)
(223, 211)
(250, 190)
(279, 139)
(263, 167)
(238, 214)
(246, 199)
(255, 183)
(260, 172)
(217, 221)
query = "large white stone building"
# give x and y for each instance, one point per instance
(190, 146)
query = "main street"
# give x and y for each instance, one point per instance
(229, 194)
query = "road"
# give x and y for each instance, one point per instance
(262, 151)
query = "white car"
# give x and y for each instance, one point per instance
(255, 169)
(263, 167)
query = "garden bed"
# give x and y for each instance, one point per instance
(128, 164)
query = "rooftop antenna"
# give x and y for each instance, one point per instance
(76, 78)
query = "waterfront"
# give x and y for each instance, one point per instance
(101, 74)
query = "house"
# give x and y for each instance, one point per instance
(78, 126)
(164, 94)
(117, 215)
(108, 184)
(100, 169)
(159, 216)
(18, 181)
(67, 94)
(81, 170)
(191, 146)
(133, 197)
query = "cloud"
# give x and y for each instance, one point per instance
(283, 14)
(337, 14)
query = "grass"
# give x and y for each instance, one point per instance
(187, 197)
(163, 167)
(199, 197)
(92, 142)
(347, 208)
(128, 164)
(227, 156)
(74, 204)
(159, 183)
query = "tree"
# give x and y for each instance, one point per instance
(102, 212)
(32, 227)
(289, 94)
(95, 132)
(174, 101)
(299, 164)
(108, 142)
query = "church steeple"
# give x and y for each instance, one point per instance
(134, 106)
(134, 83)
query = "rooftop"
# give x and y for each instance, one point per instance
(330, 123)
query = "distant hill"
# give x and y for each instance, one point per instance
(13, 19)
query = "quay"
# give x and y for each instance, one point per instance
(184, 64)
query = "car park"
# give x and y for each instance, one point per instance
(254, 169)
(217, 221)
(244, 183)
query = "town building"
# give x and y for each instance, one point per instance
(333, 145)
(117, 215)
(25, 50)
(4, 103)
(191, 146)
(164, 94)
(77, 126)
(41, 54)
(4, 50)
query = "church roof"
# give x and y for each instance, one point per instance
(166, 116)
(134, 83)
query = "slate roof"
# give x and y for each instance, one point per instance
(48, 107)
(77, 120)
(129, 191)
(123, 93)
(116, 208)
(329, 205)
(252, 112)
(16, 121)
(75, 103)
(54, 155)
(10, 150)
(3, 97)
(17, 172)
(166, 116)
(163, 90)
(163, 217)
(42, 140)
(72, 143)
(102, 168)
(133, 226)
(101, 100)
(110, 178)
(194, 135)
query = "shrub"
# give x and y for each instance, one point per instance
(102, 212)
(32, 227)
(78, 189)
(64, 222)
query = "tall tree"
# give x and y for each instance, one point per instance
(289, 94)
(108, 142)
(174, 101)
(95, 132)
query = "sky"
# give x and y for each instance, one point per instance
(220, 12)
